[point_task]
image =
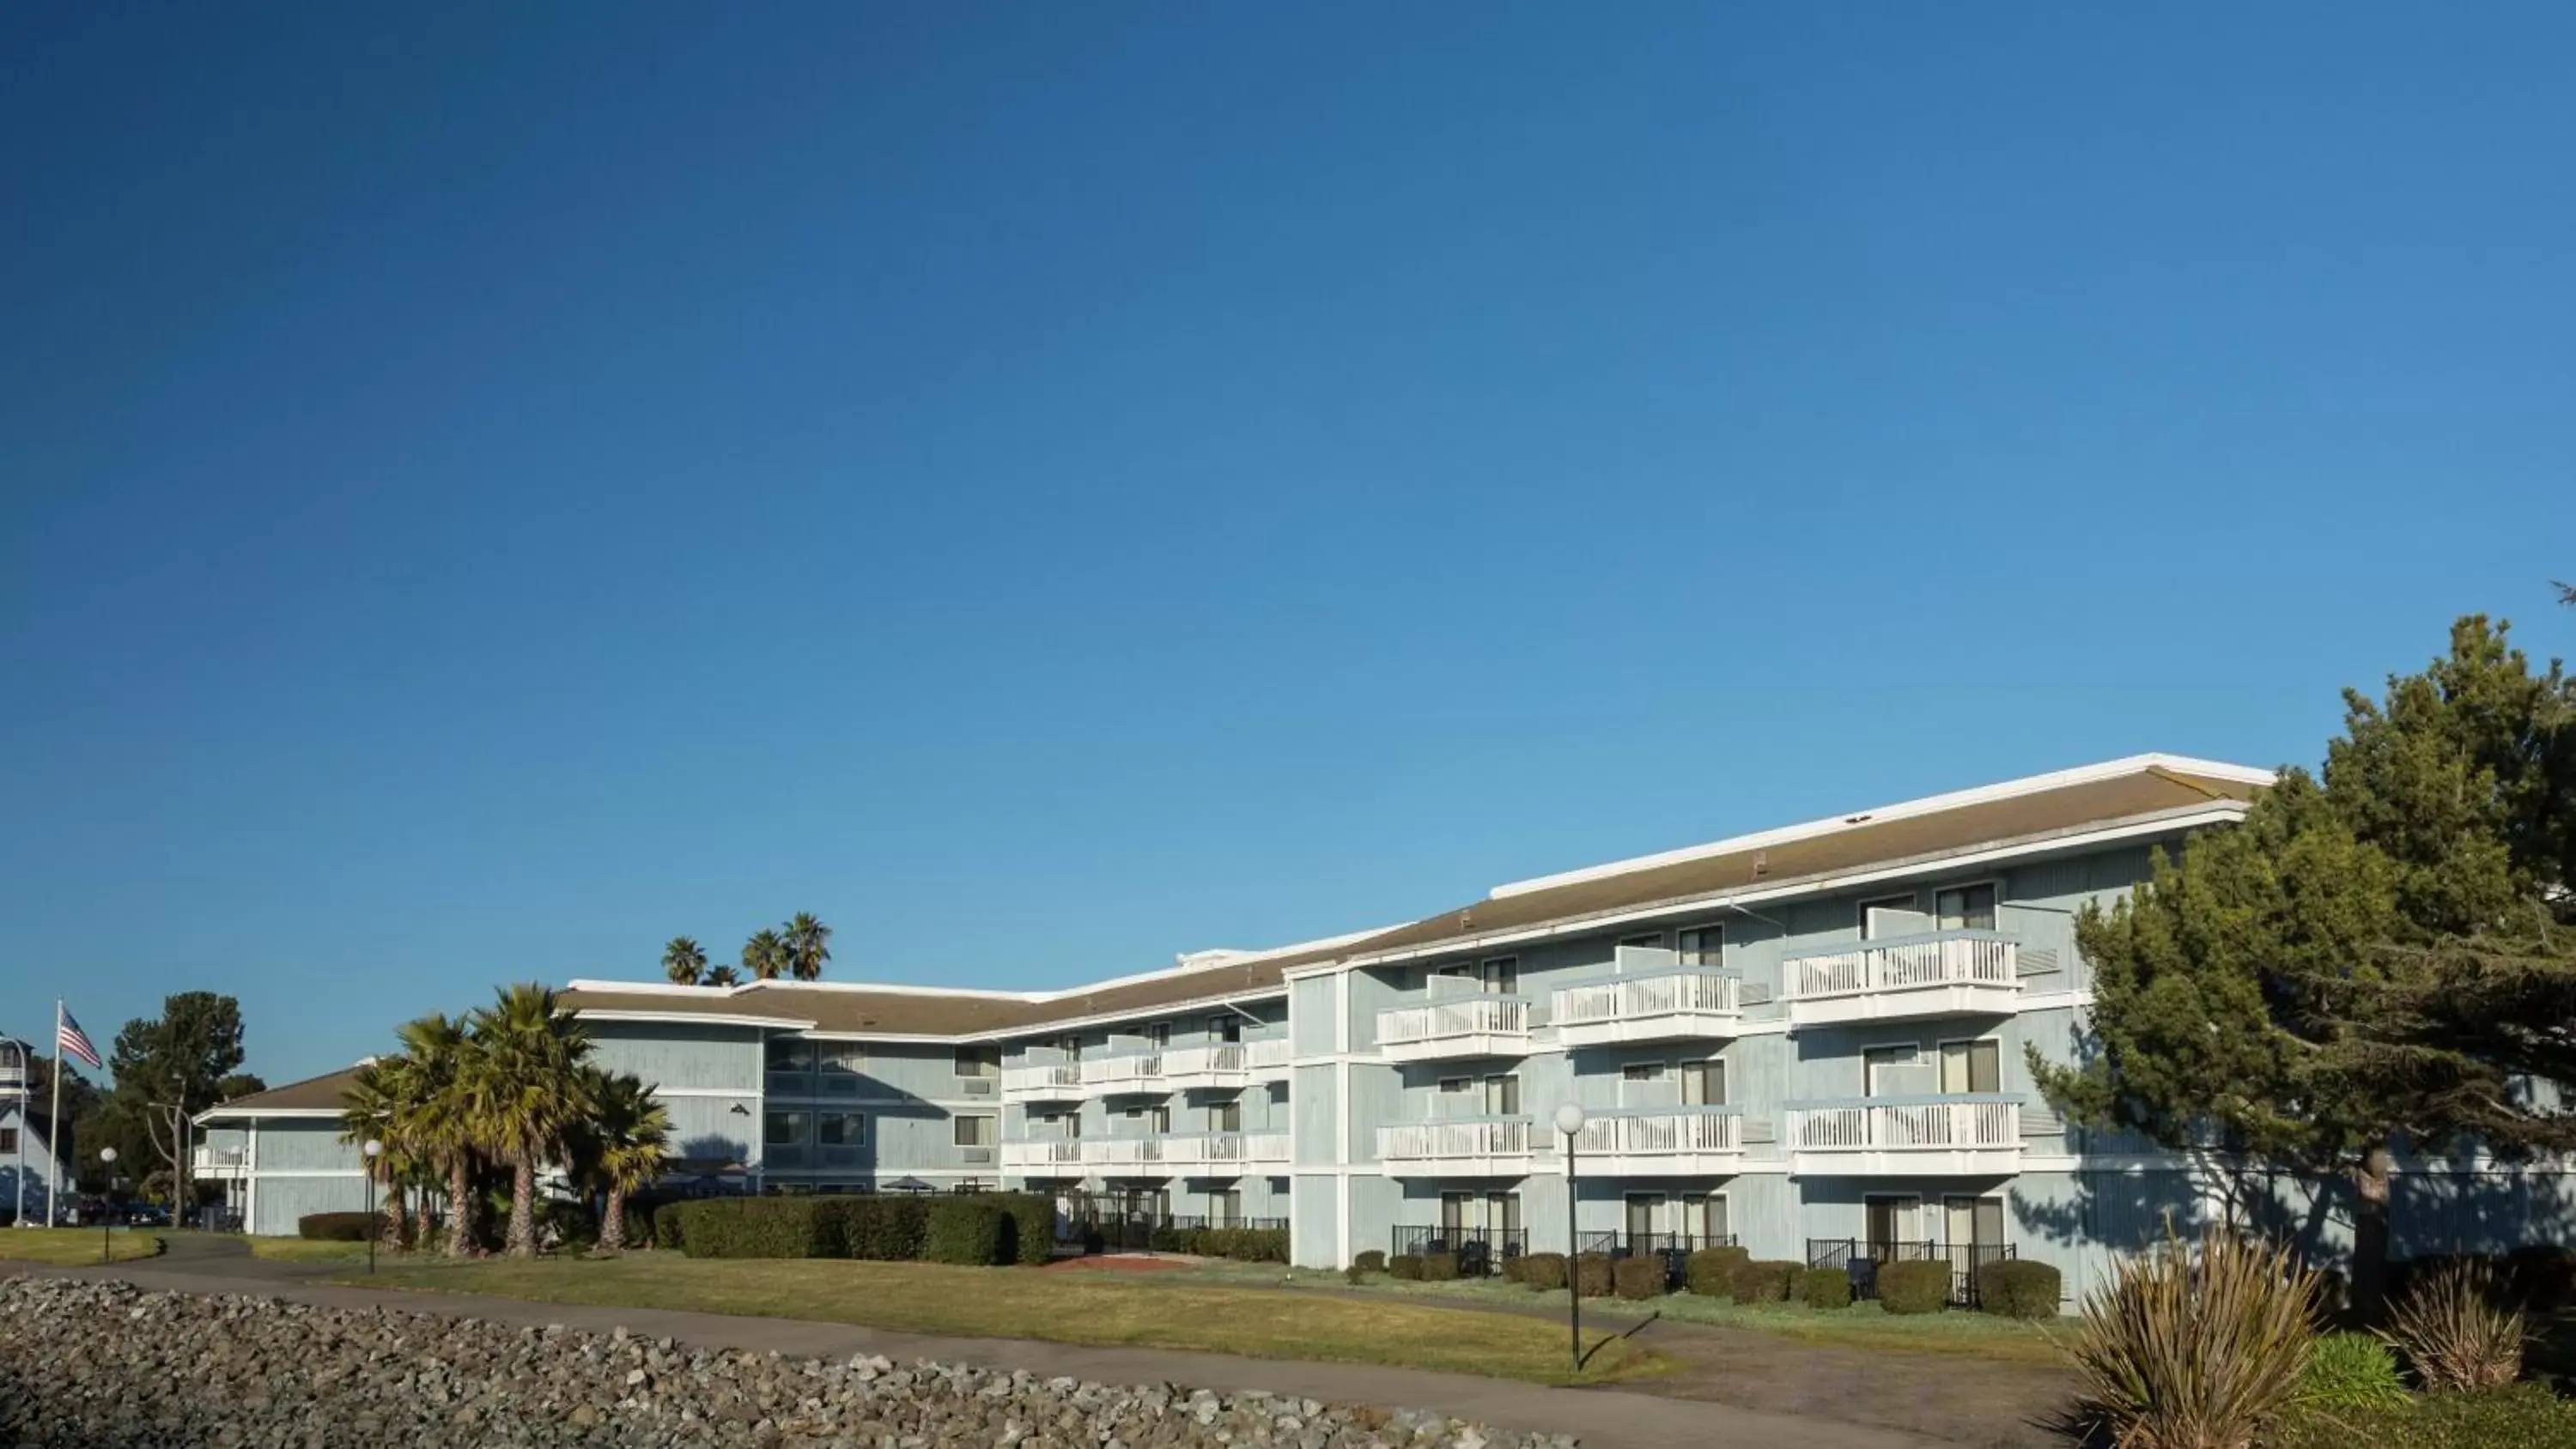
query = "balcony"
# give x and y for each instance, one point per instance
(1952, 973)
(1688, 1003)
(1268, 1059)
(1959, 1135)
(1214, 1154)
(1462, 1026)
(1049, 1157)
(218, 1164)
(1045, 1082)
(1663, 1142)
(1125, 1073)
(1473, 1147)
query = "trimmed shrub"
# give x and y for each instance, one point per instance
(2196, 1343)
(1638, 1277)
(1761, 1280)
(2525, 1416)
(1543, 1271)
(1439, 1267)
(1355, 1274)
(1407, 1266)
(1710, 1272)
(888, 1229)
(962, 1230)
(1371, 1261)
(2456, 1331)
(1242, 1245)
(1028, 1227)
(1827, 1288)
(2018, 1289)
(761, 1227)
(666, 1226)
(339, 1227)
(1592, 1275)
(2351, 1371)
(1916, 1287)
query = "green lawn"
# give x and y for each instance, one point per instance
(1861, 1326)
(1145, 1311)
(305, 1250)
(70, 1246)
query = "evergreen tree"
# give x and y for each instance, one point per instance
(2375, 961)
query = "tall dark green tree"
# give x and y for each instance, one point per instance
(168, 1068)
(2375, 960)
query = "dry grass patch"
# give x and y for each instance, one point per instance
(1108, 1309)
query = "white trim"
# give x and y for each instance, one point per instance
(698, 1018)
(675, 1092)
(304, 1172)
(1929, 804)
(2188, 818)
(220, 1111)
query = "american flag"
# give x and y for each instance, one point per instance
(69, 1037)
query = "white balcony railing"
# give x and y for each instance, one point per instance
(206, 1159)
(1268, 1056)
(1964, 1133)
(1468, 1147)
(1128, 1072)
(1683, 1132)
(1049, 1082)
(1646, 1008)
(1221, 1154)
(1050, 1156)
(1950, 973)
(1465, 1027)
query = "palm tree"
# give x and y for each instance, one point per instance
(525, 1093)
(809, 945)
(378, 1108)
(722, 976)
(765, 955)
(628, 1137)
(440, 1052)
(682, 961)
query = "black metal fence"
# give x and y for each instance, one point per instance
(1861, 1260)
(1111, 1223)
(1481, 1251)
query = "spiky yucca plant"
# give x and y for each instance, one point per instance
(2196, 1345)
(2456, 1331)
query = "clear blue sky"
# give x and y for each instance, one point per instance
(1049, 486)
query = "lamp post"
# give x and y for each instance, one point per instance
(374, 1150)
(1569, 1120)
(107, 1219)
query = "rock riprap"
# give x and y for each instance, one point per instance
(91, 1365)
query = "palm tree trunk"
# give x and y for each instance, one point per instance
(612, 1226)
(523, 1207)
(395, 1216)
(460, 1206)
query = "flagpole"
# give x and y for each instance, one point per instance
(54, 1127)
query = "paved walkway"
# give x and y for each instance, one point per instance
(1602, 1418)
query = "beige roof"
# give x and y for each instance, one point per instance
(311, 1094)
(2145, 789)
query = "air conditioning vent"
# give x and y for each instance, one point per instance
(976, 1156)
(2041, 1122)
(979, 1086)
(2038, 960)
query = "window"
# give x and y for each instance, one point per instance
(1652, 940)
(841, 1058)
(1972, 1066)
(1225, 1207)
(1703, 946)
(791, 1054)
(1456, 1086)
(1883, 1069)
(1892, 1220)
(1502, 1096)
(975, 1131)
(1964, 908)
(1711, 1214)
(1226, 1028)
(8, 1139)
(1645, 1215)
(1160, 1033)
(1974, 1222)
(1904, 902)
(1704, 1084)
(1225, 1116)
(1503, 974)
(1071, 1046)
(782, 1128)
(1642, 1072)
(841, 1129)
(979, 1061)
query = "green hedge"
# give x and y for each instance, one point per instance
(1638, 1277)
(978, 1229)
(1543, 1271)
(2522, 1416)
(1915, 1287)
(1762, 1280)
(763, 1227)
(1407, 1266)
(877, 1229)
(666, 1225)
(1710, 1272)
(1439, 1267)
(2018, 1289)
(1241, 1245)
(1592, 1275)
(1371, 1261)
(964, 1230)
(1825, 1288)
(339, 1227)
